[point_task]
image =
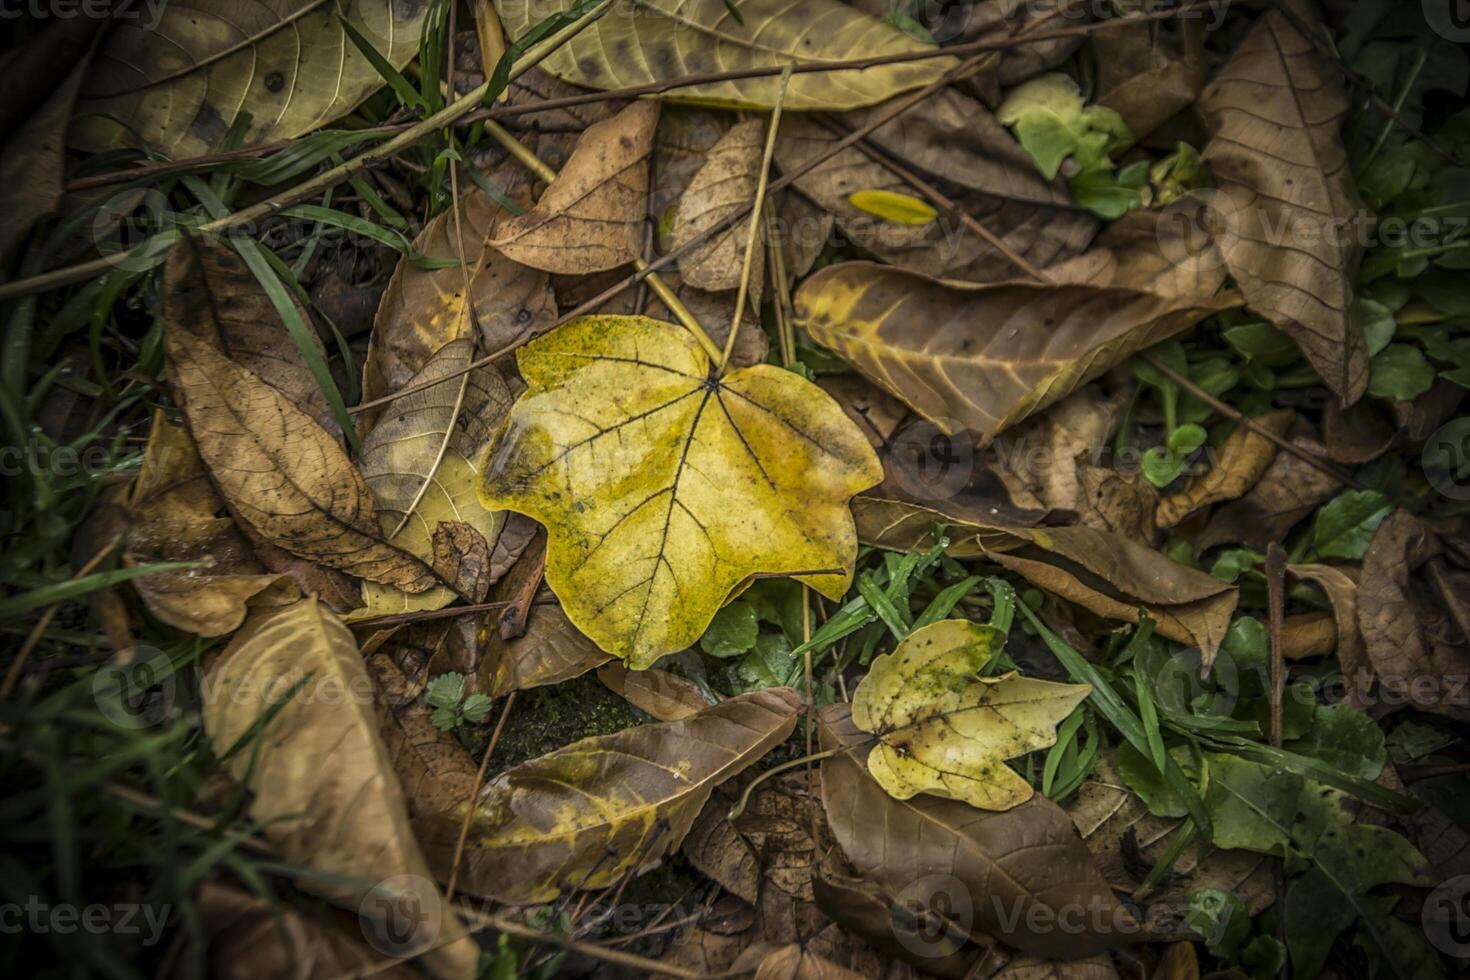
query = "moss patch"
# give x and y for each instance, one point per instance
(546, 718)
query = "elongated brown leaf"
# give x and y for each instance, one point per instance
(660, 40)
(176, 516)
(33, 164)
(1243, 460)
(591, 217)
(724, 183)
(280, 472)
(424, 309)
(1341, 589)
(421, 463)
(177, 84)
(211, 292)
(1015, 868)
(1290, 214)
(1100, 571)
(324, 791)
(585, 814)
(954, 138)
(983, 357)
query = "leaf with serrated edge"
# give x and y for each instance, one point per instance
(591, 218)
(421, 463)
(323, 789)
(664, 488)
(1023, 867)
(984, 357)
(178, 83)
(1286, 199)
(944, 730)
(584, 815)
(281, 472)
(660, 40)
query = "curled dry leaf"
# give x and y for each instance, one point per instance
(983, 357)
(421, 462)
(1286, 206)
(210, 292)
(323, 788)
(663, 487)
(281, 472)
(584, 815)
(1341, 590)
(175, 516)
(661, 40)
(1287, 492)
(724, 183)
(250, 937)
(591, 217)
(424, 309)
(287, 67)
(943, 729)
(1017, 867)
(953, 138)
(1102, 572)
(1412, 609)
(1243, 460)
(665, 696)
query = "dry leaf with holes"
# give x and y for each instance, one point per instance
(584, 815)
(421, 462)
(944, 729)
(1288, 211)
(664, 487)
(347, 819)
(281, 472)
(661, 40)
(982, 358)
(725, 183)
(591, 217)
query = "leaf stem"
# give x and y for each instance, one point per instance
(739, 807)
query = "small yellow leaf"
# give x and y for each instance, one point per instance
(901, 209)
(945, 730)
(664, 487)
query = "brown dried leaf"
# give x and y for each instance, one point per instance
(584, 815)
(281, 472)
(1341, 590)
(1286, 206)
(591, 217)
(1018, 866)
(175, 517)
(1102, 572)
(665, 696)
(725, 182)
(1243, 460)
(323, 788)
(1287, 492)
(954, 138)
(1148, 72)
(983, 357)
(33, 164)
(1099, 967)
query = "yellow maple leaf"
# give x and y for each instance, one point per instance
(943, 729)
(664, 487)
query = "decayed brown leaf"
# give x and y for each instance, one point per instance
(1286, 205)
(591, 217)
(1243, 460)
(424, 309)
(210, 292)
(1286, 493)
(175, 516)
(421, 462)
(1341, 589)
(665, 696)
(348, 818)
(1046, 454)
(1102, 572)
(1148, 72)
(1099, 967)
(984, 357)
(281, 472)
(1412, 609)
(33, 162)
(1019, 866)
(724, 183)
(954, 138)
(250, 937)
(584, 815)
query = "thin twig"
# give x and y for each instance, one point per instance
(469, 805)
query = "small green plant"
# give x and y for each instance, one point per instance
(451, 708)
